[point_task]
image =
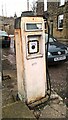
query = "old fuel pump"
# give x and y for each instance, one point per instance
(31, 60)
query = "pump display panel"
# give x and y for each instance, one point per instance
(33, 26)
(33, 46)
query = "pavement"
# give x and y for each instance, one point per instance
(11, 108)
(54, 109)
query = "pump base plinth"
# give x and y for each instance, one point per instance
(37, 103)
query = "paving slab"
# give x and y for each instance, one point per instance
(19, 109)
(16, 110)
(54, 111)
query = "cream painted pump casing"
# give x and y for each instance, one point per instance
(30, 58)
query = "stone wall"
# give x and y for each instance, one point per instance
(40, 7)
(7, 24)
(54, 11)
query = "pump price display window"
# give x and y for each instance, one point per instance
(33, 47)
(33, 26)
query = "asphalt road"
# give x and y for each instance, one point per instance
(58, 73)
(59, 79)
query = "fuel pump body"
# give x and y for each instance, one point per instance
(30, 58)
